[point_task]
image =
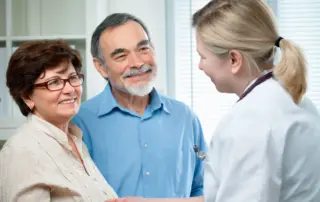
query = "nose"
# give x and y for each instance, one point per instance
(200, 66)
(68, 88)
(135, 60)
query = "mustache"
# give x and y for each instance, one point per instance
(132, 72)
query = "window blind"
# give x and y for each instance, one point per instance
(298, 20)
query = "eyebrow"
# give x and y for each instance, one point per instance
(117, 51)
(122, 50)
(143, 43)
(56, 76)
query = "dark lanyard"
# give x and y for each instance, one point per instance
(259, 81)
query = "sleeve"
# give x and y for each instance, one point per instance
(78, 121)
(309, 106)
(197, 184)
(19, 177)
(250, 164)
(33, 193)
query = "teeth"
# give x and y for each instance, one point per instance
(139, 74)
(68, 101)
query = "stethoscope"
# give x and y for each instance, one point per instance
(203, 155)
(200, 154)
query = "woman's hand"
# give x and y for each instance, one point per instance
(128, 199)
(140, 199)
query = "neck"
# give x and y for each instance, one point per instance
(245, 81)
(135, 103)
(64, 127)
(242, 85)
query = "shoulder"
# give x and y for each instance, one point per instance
(88, 109)
(23, 138)
(276, 123)
(177, 107)
(21, 154)
(23, 163)
(92, 104)
(303, 123)
(22, 143)
(308, 105)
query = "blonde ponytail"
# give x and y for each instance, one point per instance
(292, 70)
(226, 25)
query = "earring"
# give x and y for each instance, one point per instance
(30, 106)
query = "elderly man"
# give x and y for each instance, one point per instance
(141, 141)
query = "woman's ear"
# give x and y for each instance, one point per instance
(236, 60)
(28, 102)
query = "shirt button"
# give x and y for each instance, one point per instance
(145, 145)
(148, 173)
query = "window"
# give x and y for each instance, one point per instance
(298, 20)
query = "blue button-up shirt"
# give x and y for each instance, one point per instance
(150, 155)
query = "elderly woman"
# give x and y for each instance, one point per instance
(46, 159)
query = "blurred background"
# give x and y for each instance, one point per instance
(169, 24)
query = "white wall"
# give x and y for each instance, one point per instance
(96, 11)
(152, 13)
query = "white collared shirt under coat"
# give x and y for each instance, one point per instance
(266, 149)
(37, 164)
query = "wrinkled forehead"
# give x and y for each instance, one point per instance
(126, 36)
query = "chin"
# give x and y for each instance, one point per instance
(68, 114)
(224, 90)
(220, 91)
(140, 83)
(140, 90)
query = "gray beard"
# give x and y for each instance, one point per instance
(141, 90)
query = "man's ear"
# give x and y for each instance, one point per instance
(100, 67)
(236, 61)
(28, 102)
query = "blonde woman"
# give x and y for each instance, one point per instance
(266, 149)
(46, 160)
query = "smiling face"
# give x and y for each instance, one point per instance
(56, 106)
(130, 64)
(217, 68)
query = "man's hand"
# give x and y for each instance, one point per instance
(140, 199)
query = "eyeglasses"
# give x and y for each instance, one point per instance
(58, 83)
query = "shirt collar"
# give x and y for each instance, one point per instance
(157, 102)
(108, 102)
(53, 131)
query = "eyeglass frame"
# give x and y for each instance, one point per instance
(45, 84)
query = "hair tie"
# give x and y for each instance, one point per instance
(277, 43)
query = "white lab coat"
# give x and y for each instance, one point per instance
(266, 149)
(308, 105)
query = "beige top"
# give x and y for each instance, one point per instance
(37, 164)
